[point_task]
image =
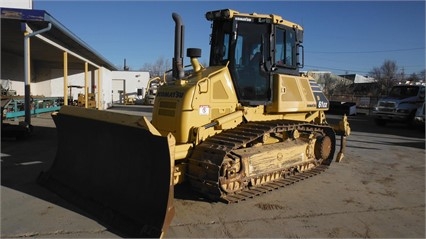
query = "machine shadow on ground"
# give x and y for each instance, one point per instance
(22, 161)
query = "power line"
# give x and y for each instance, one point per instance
(336, 69)
(365, 52)
(350, 70)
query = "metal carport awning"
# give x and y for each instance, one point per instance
(12, 34)
(15, 23)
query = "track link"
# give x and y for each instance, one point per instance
(272, 186)
(207, 158)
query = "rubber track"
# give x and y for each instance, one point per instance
(211, 152)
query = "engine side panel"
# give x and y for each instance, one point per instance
(296, 94)
(193, 102)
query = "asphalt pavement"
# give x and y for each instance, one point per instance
(364, 196)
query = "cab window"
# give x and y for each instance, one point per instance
(285, 54)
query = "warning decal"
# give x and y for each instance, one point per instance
(204, 110)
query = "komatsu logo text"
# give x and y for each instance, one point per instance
(245, 19)
(175, 94)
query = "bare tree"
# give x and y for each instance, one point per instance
(327, 82)
(386, 76)
(414, 78)
(157, 68)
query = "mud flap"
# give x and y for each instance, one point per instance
(117, 168)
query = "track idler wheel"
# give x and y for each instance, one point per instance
(323, 148)
(230, 176)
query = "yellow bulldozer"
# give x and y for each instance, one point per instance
(247, 124)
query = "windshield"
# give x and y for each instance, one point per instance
(404, 91)
(251, 52)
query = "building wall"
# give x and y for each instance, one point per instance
(56, 84)
(106, 85)
(117, 86)
(48, 80)
(128, 81)
(76, 78)
(12, 78)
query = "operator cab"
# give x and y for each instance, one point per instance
(255, 47)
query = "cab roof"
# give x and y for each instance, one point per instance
(233, 14)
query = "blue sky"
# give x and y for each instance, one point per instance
(340, 36)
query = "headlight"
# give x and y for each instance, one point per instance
(219, 14)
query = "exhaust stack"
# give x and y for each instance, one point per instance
(178, 72)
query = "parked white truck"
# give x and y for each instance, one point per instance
(400, 105)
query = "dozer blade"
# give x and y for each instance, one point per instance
(116, 167)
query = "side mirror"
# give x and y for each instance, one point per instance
(300, 56)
